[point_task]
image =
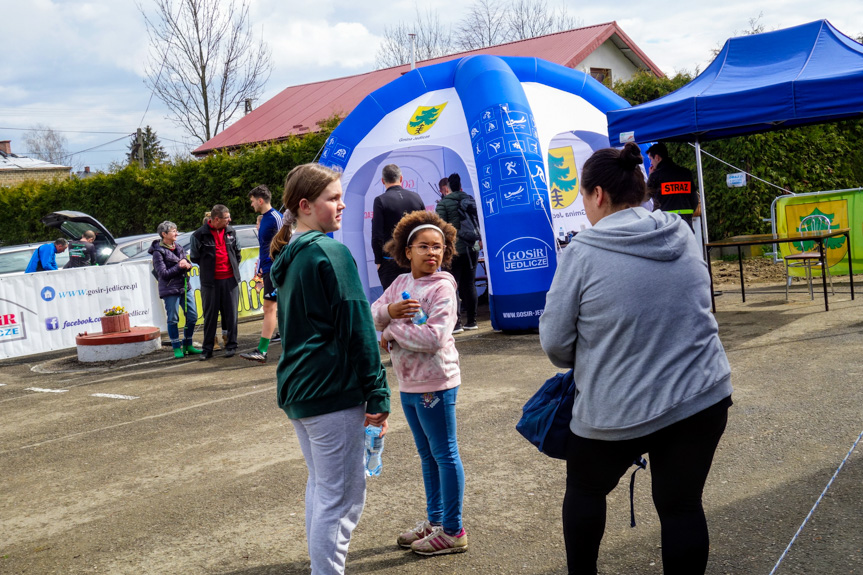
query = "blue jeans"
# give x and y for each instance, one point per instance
(431, 417)
(172, 310)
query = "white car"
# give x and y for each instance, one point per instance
(72, 225)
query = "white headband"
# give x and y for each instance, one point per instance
(425, 227)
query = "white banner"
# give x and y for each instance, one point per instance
(45, 311)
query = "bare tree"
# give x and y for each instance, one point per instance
(531, 18)
(756, 26)
(46, 144)
(484, 24)
(204, 61)
(433, 40)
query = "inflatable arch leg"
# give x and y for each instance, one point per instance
(518, 235)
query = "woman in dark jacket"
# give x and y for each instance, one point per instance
(172, 269)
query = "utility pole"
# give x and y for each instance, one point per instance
(140, 148)
(413, 51)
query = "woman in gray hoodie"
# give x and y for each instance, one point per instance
(629, 311)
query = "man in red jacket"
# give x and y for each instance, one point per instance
(214, 248)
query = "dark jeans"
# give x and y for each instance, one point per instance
(221, 297)
(679, 459)
(388, 272)
(465, 276)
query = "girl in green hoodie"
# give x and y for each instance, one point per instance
(330, 378)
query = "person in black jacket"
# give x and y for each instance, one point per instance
(171, 268)
(83, 252)
(389, 208)
(214, 248)
(463, 267)
(671, 186)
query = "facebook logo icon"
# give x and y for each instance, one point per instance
(52, 323)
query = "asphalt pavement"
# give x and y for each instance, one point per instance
(156, 465)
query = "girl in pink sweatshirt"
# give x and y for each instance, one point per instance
(426, 364)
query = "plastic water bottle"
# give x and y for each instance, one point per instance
(419, 317)
(374, 449)
(561, 236)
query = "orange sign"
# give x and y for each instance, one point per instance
(668, 188)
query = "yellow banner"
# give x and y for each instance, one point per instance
(251, 300)
(836, 211)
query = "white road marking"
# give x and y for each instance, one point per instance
(44, 390)
(131, 374)
(113, 396)
(2, 384)
(140, 420)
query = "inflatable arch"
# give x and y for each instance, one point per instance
(517, 130)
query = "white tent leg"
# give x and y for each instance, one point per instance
(701, 195)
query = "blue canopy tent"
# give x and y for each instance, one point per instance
(806, 74)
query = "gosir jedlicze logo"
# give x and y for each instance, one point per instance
(12, 327)
(424, 118)
(524, 254)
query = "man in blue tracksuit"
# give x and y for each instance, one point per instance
(271, 222)
(45, 257)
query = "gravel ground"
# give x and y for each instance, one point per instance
(202, 473)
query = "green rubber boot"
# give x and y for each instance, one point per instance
(178, 353)
(191, 350)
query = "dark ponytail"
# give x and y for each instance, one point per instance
(618, 173)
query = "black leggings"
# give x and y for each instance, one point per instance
(679, 458)
(465, 278)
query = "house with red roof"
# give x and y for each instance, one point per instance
(604, 51)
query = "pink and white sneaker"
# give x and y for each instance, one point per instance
(439, 543)
(422, 529)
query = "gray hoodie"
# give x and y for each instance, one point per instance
(629, 310)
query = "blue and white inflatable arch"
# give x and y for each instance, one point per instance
(517, 130)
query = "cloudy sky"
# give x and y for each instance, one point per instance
(78, 66)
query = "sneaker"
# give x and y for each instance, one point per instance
(255, 356)
(458, 328)
(277, 337)
(439, 543)
(423, 529)
(471, 325)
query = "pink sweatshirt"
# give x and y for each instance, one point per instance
(424, 356)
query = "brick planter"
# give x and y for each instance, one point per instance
(115, 323)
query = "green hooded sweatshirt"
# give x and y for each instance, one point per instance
(330, 359)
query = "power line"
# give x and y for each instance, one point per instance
(30, 153)
(94, 147)
(62, 131)
(170, 140)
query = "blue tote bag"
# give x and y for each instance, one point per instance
(545, 417)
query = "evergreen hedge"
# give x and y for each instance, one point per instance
(808, 159)
(134, 200)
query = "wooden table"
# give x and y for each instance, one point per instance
(760, 239)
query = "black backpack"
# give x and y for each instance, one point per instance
(468, 223)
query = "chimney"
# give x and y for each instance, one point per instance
(86, 169)
(6, 147)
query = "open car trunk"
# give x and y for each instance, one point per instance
(73, 225)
